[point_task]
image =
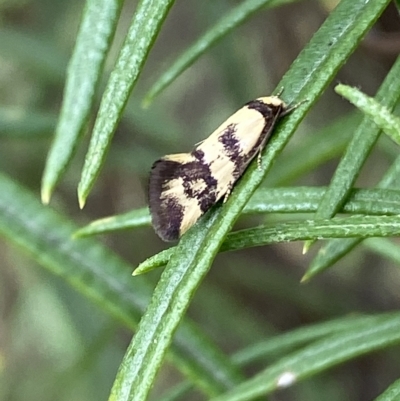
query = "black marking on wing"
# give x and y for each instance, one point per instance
(199, 171)
(269, 111)
(232, 149)
(198, 183)
(230, 142)
(167, 213)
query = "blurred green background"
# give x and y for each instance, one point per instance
(55, 344)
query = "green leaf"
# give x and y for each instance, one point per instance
(269, 200)
(379, 114)
(225, 25)
(306, 200)
(104, 278)
(144, 28)
(318, 357)
(84, 71)
(297, 161)
(281, 344)
(348, 227)
(165, 309)
(133, 219)
(357, 151)
(392, 393)
(336, 249)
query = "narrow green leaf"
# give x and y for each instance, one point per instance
(306, 200)
(144, 28)
(379, 114)
(269, 200)
(347, 227)
(84, 71)
(308, 76)
(164, 305)
(135, 218)
(337, 248)
(225, 25)
(282, 343)
(392, 393)
(358, 150)
(326, 144)
(157, 260)
(104, 278)
(85, 264)
(319, 357)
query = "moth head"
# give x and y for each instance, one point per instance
(273, 101)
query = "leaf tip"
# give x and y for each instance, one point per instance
(146, 102)
(81, 199)
(76, 234)
(140, 270)
(340, 88)
(307, 245)
(46, 194)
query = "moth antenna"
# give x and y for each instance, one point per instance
(291, 108)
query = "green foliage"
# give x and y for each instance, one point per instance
(244, 305)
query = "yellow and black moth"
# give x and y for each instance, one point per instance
(184, 186)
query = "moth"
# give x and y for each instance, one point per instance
(182, 187)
